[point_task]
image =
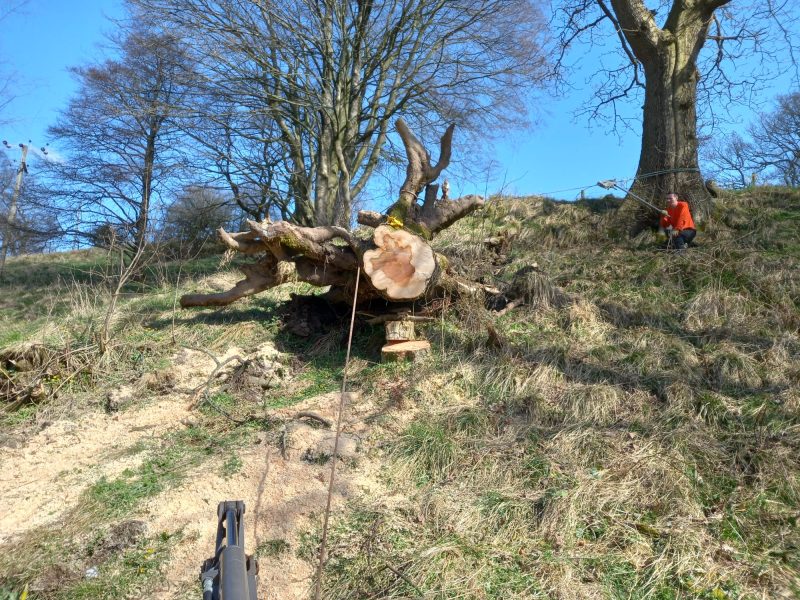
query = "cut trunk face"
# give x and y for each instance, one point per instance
(402, 265)
(411, 351)
(398, 261)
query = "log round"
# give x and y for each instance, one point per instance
(410, 351)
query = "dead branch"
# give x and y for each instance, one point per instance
(398, 317)
(398, 260)
(419, 172)
(511, 306)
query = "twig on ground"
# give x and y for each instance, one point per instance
(511, 306)
(314, 416)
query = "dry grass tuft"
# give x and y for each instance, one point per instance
(536, 289)
(734, 369)
(585, 323)
(716, 308)
(594, 404)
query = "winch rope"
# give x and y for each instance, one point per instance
(342, 402)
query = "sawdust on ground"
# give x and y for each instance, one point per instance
(45, 477)
(284, 494)
(284, 484)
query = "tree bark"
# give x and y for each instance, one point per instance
(668, 161)
(398, 261)
(143, 218)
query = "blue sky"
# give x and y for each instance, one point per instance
(557, 157)
(38, 43)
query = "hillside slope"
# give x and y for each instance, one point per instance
(630, 430)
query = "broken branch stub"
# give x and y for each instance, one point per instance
(420, 172)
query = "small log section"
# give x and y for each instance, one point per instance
(397, 260)
(410, 351)
(402, 343)
(399, 331)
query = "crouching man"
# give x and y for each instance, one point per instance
(678, 223)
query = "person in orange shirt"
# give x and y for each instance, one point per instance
(678, 223)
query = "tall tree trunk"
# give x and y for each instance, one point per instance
(299, 197)
(142, 219)
(326, 189)
(668, 161)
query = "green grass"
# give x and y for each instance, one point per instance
(319, 377)
(10, 593)
(130, 574)
(232, 465)
(636, 446)
(166, 468)
(637, 440)
(429, 450)
(25, 414)
(272, 548)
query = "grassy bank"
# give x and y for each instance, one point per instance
(630, 430)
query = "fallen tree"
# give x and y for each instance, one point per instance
(397, 260)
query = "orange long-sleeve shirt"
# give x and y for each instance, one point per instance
(679, 217)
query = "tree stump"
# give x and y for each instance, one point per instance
(401, 344)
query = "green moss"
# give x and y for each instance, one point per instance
(399, 211)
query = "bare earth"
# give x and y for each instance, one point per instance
(284, 493)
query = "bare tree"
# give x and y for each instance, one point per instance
(664, 58)
(117, 136)
(729, 160)
(770, 148)
(776, 141)
(26, 224)
(241, 152)
(7, 95)
(332, 76)
(193, 218)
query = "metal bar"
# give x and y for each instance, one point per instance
(639, 198)
(610, 183)
(231, 527)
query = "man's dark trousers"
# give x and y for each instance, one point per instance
(682, 240)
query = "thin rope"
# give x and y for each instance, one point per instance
(342, 400)
(619, 180)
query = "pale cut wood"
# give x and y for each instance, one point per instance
(399, 331)
(399, 263)
(406, 351)
(402, 266)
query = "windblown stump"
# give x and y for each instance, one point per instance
(397, 260)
